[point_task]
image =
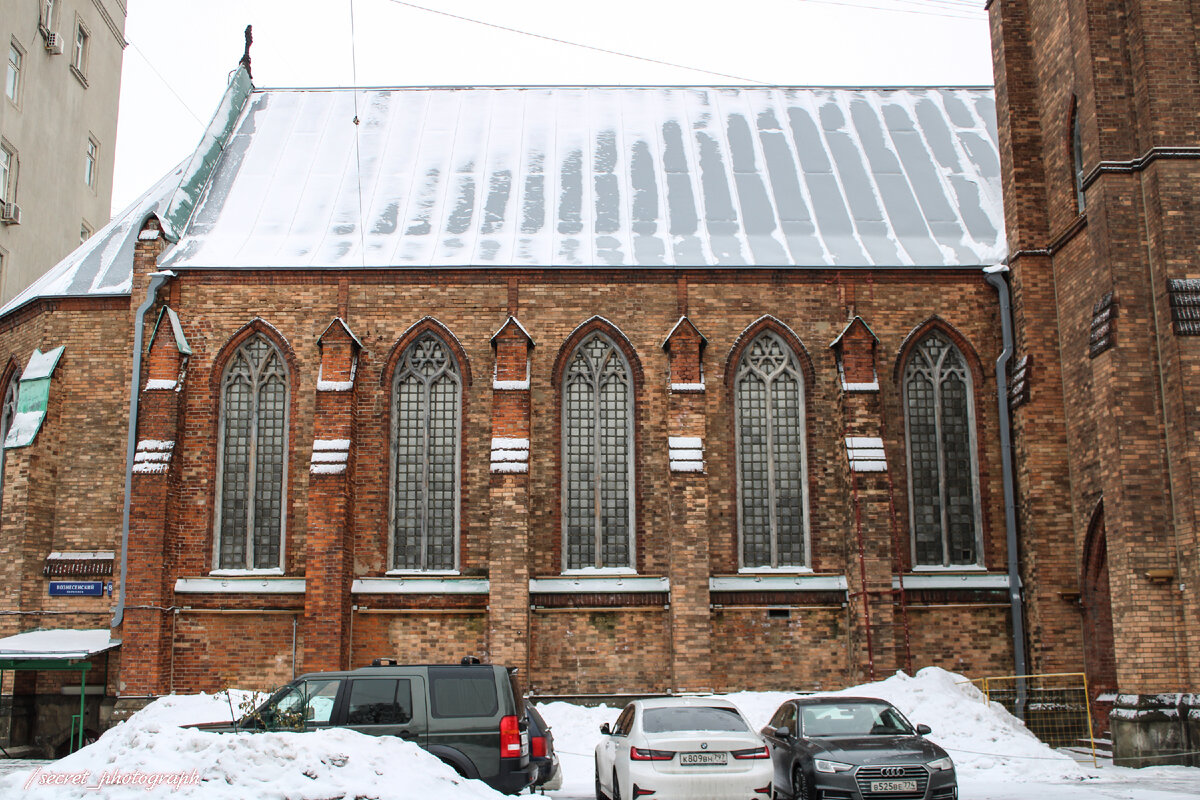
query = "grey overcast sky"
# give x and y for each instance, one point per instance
(182, 51)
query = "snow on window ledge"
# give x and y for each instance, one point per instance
(510, 386)
(241, 582)
(778, 580)
(687, 387)
(243, 573)
(873, 386)
(418, 583)
(946, 579)
(597, 581)
(334, 386)
(950, 569)
(158, 383)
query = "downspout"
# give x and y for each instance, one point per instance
(157, 279)
(995, 277)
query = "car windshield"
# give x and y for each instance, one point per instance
(855, 719)
(692, 718)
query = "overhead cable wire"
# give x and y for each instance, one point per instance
(166, 83)
(577, 44)
(362, 241)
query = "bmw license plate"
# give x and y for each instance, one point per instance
(893, 786)
(703, 759)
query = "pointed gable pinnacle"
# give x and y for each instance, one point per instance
(854, 349)
(339, 357)
(685, 345)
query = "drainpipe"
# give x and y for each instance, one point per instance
(995, 277)
(157, 279)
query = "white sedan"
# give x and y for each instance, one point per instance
(682, 747)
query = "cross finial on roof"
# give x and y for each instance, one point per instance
(245, 62)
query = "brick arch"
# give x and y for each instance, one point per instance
(598, 324)
(585, 329)
(936, 323)
(414, 332)
(779, 328)
(256, 326)
(11, 372)
(1096, 604)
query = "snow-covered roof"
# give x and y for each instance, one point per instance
(608, 177)
(570, 177)
(56, 644)
(103, 265)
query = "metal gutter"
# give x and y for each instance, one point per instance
(995, 277)
(157, 279)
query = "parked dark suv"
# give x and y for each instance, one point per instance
(469, 715)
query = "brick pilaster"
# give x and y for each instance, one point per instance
(508, 494)
(146, 628)
(879, 647)
(329, 555)
(688, 566)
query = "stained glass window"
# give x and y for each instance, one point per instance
(253, 457)
(771, 455)
(597, 457)
(942, 472)
(426, 414)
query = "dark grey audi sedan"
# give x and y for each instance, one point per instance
(855, 748)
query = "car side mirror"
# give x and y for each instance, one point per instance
(604, 729)
(784, 732)
(924, 730)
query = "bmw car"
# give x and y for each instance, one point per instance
(676, 747)
(855, 748)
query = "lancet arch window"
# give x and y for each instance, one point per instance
(1077, 175)
(943, 474)
(8, 412)
(769, 418)
(252, 457)
(597, 425)
(426, 434)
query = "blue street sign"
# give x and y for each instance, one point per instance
(76, 588)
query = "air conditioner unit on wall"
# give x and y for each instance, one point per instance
(10, 213)
(54, 43)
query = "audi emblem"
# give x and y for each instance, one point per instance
(892, 772)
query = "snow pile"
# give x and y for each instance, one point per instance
(149, 756)
(981, 737)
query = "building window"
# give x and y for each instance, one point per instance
(8, 411)
(8, 175)
(85, 232)
(47, 19)
(79, 55)
(943, 477)
(1077, 158)
(252, 457)
(12, 79)
(597, 493)
(90, 157)
(771, 455)
(426, 429)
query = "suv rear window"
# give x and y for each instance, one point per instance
(379, 701)
(463, 691)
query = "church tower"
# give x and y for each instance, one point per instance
(1099, 115)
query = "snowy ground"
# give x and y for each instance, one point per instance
(150, 756)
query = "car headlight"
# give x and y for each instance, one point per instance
(939, 764)
(831, 766)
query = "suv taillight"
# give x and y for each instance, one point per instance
(510, 737)
(537, 747)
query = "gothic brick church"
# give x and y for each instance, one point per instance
(635, 389)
